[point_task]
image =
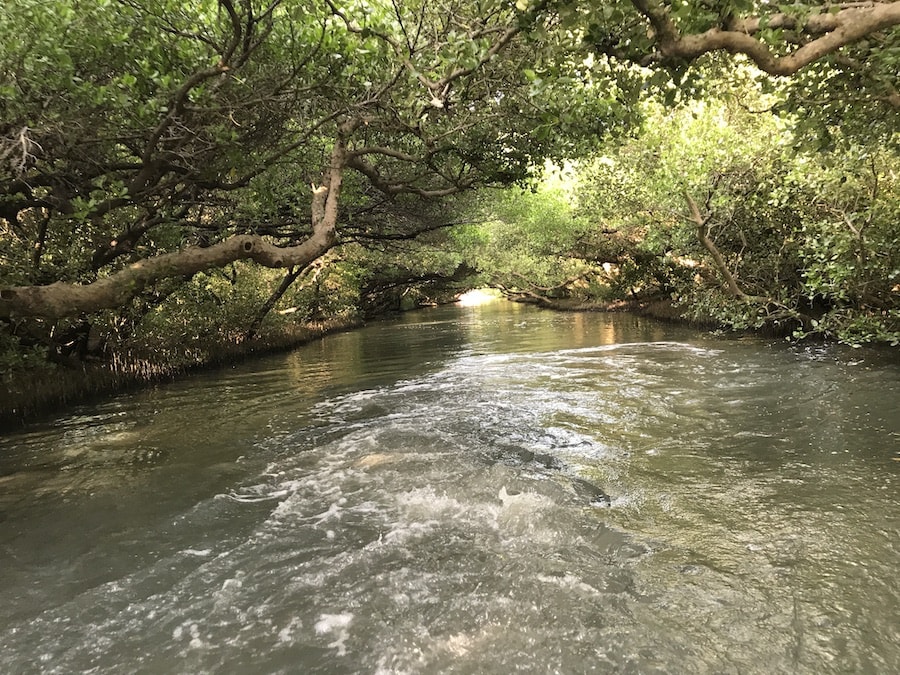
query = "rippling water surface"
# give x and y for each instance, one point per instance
(468, 490)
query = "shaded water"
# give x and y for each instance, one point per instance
(468, 490)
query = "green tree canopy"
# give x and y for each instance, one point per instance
(149, 140)
(145, 143)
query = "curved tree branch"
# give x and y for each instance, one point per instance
(835, 30)
(65, 299)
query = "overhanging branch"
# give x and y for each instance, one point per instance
(834, 30)
(65, 299)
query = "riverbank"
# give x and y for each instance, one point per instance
(28, 395)
(662, 309)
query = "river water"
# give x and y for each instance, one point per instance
(489, 489)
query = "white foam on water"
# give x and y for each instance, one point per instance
(569, 582)
(337, 625)
(199, 553)
(196, 642)
(402, 534)
(334, 512)
(430, 503)
(286, 634)
(229, 593)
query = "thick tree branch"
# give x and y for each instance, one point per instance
(290, 277)
(781, 311)
(835, 31)
(64, 299)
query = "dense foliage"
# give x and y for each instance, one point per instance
(717, 209)
(148, 148)
(178, 175)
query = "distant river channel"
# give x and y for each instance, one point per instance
(471, 490)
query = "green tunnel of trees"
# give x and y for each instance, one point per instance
(176, 176)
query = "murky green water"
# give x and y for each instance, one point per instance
(468, 490)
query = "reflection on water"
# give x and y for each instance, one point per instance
(467, 490)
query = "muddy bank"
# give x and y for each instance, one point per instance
(28, 395)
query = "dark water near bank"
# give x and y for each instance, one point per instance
(468, 490)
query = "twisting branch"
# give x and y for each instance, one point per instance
(287, 281)
(229, 60)
(834, 30)
(406, 186)
(440, 88)
(64, 299)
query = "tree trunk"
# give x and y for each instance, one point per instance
(63, 299)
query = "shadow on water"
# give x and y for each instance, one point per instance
(467, 490)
